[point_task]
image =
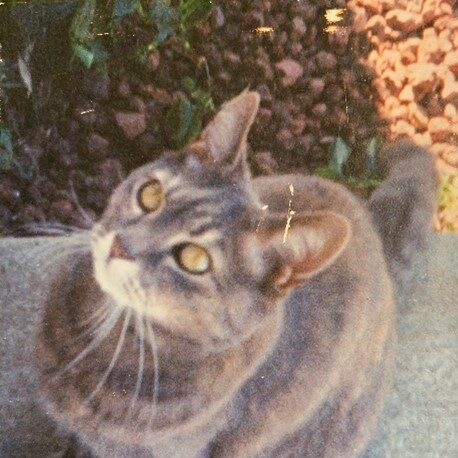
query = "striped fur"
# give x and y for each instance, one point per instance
(283, 348)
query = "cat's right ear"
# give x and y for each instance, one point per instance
(223, 143)
(286, 251)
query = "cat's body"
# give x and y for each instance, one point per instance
(328, 346)
(278, 342)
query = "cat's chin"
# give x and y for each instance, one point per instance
(118, 278)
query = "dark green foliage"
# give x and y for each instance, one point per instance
(371, 157)
(202, 99)
(179, 20)
(185, 116)
(96, 18)
(185, 122)
(6, 145)
(192, 11)
(122, 8)
(165, 19)
(6, 148)
(85, 34)
(338, 159)
(83, 19)
(100, 18)
(339, 156)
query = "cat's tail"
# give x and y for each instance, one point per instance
(402, 207)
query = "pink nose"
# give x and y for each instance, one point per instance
(118, 250)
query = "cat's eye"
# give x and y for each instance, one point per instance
(150, 196)
(193, 258)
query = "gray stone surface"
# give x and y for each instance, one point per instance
(26, 269)
(420, 420)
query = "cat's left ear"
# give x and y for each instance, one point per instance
(223, 143)
(285, 252)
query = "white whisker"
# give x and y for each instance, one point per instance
(95, 314)
(114, 359)
(140, 330)
(87, 218)
(153, 345)
(102, 333)
(93, 326)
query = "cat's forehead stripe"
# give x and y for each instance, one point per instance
(211, 235)
(208, 237)
(189, 193)
(204, 224)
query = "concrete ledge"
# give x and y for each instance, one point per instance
(420, 419)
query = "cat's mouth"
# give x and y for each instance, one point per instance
(116, 271)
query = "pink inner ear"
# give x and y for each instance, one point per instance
(223, 141)
(200, 149)
(315, 250)
(293, 275)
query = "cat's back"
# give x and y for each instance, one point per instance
(28, 268)
(283, 193)
(336, 346)
(358, 282)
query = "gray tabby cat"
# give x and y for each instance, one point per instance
(223, 316)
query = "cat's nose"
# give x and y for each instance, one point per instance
(118, 250)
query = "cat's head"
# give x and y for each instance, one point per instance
(187, 244)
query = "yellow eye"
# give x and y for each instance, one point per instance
(193, 258)
(150, 196)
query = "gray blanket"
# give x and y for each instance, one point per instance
(420, 419)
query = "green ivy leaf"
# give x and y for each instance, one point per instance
(84, 55)
(339, 156)
(98, 50)
(6, 148)
(161, 12)
(337, 160)
(82, 21)
(184, 121)
(123, 8)
(205, 100)
(163, 16)
(164, 33)
(202, 99)
(85, 47)
(189, 84)
(371, 157)
(191, 11)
